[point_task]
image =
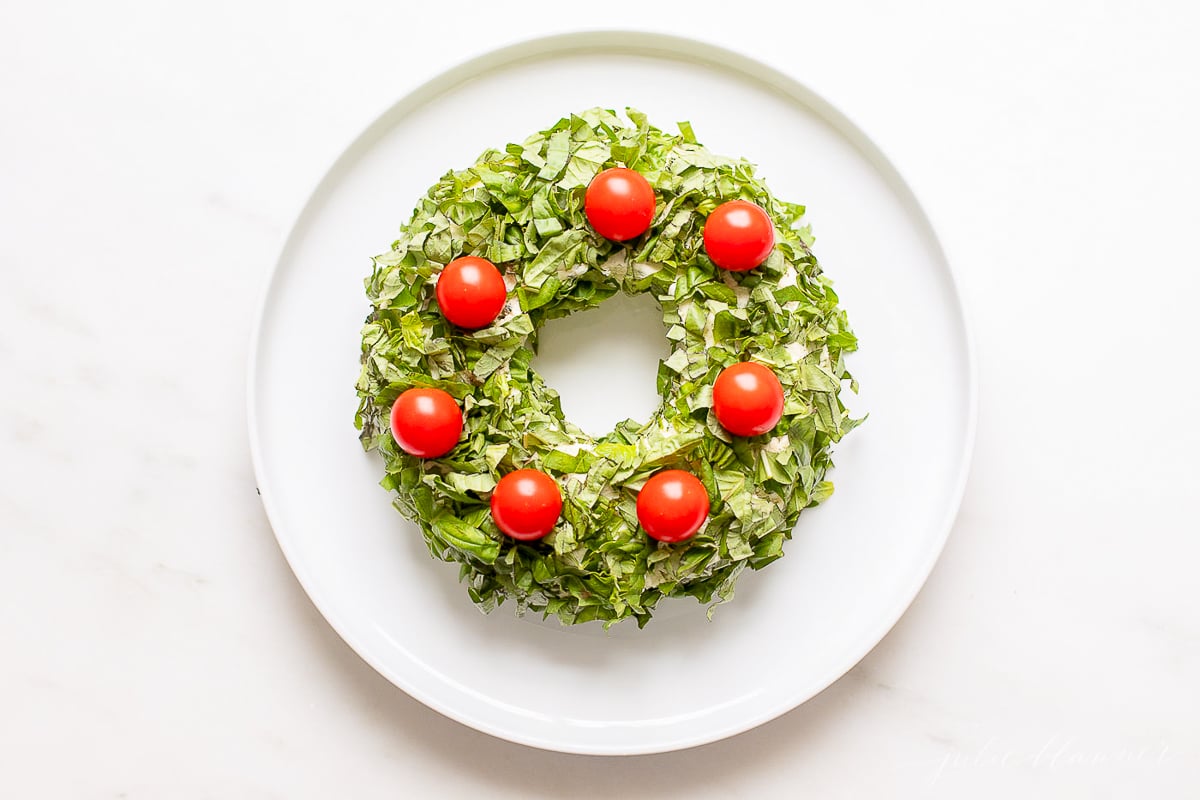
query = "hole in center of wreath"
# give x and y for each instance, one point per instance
(604, 362)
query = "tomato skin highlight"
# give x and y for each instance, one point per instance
(619, 204)
(672, 506)
(471, 292)
(738, 236)
(426, 423)
(526, 504)
(747, 399)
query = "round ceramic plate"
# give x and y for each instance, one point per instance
(854, 563)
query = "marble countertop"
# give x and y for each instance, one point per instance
(155, 642)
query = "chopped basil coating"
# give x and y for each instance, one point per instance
(522, 208)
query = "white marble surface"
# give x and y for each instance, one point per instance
(154, 641)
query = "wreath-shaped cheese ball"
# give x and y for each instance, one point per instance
(522, 209)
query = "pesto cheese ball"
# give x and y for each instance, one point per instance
(522, 208)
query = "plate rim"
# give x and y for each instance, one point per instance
(654, 44)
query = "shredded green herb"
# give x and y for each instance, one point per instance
(522, 208)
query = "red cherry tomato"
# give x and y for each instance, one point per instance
(526, 504)
(471, 292)
(738, 235)
(426, 422)
(672, 505)
(619, 203)
(747, 399)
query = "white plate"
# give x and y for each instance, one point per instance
(855, 563)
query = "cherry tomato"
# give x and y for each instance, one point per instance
(747, 399)
(619, 203)
(672, 505)
(738, 235)
(471, 292)
(526, 504)
(426, 422)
